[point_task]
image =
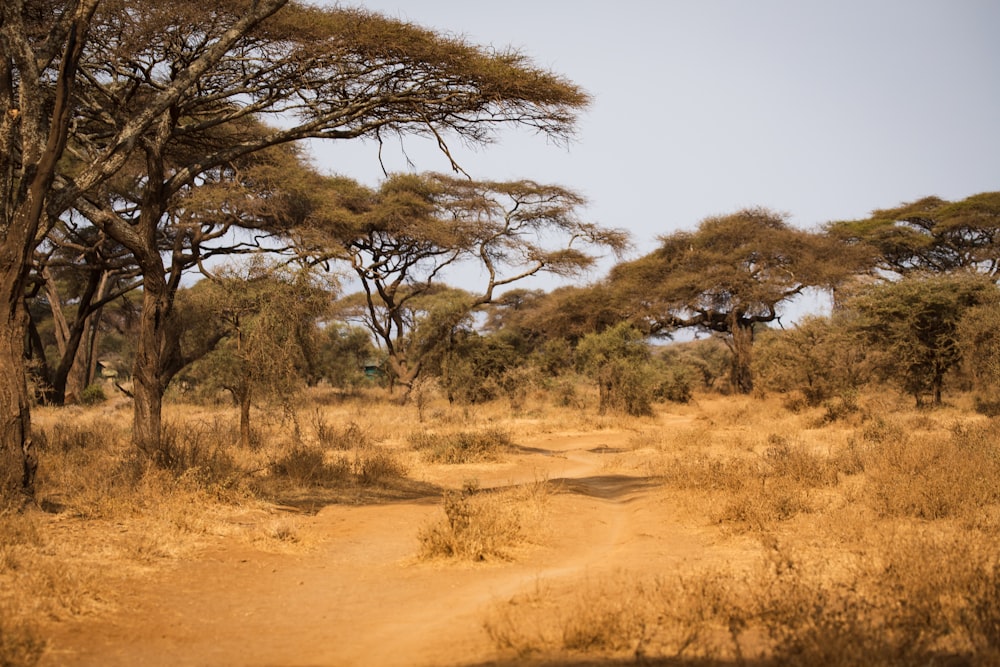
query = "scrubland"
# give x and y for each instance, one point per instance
(837, 537)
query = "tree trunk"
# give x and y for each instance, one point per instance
(17, 456)
(741, 375)
(245, 419)
(147, 375)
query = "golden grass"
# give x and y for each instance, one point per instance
(877, 527)
(489, 524)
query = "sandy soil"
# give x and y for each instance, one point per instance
(359, 596)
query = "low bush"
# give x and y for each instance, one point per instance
(487, 445)
(92, 395)
(484, 525)
(307, 465)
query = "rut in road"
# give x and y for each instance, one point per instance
(362, 598)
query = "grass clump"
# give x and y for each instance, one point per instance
(20, 644)
(484, 525)
(483, 446)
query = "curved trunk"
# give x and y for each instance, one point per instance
(17, 456)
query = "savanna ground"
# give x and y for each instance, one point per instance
(729, 531)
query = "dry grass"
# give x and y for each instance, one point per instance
(893, 607)
(878, 542)
(487, 524)
(877, 525)
(488, 445)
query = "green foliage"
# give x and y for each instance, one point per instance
(478, 368)
(912, 326)
(704, 362)
(92, 395)
(342, 353)
(818, 359)
(618, 361)
(979, 337)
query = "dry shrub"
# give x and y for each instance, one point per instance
(933, 475)
(754, 492)
(485, 525)
(21, 644)
(895, 606)
(328, 436)
(487, 445)
(376, 465)
(308, 466)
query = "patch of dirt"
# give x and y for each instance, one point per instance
(358, 596)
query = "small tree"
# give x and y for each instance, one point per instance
(618, 361)
(912, 325)
(819, 358)
(265, 313)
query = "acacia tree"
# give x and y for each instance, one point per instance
(42, 46)
(78, 271)
(402, 239)
(730, 275)
(913, 324)
(930, 235)
(326, 73)
(265, 315)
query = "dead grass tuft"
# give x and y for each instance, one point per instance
(486, 445)
(482, 525)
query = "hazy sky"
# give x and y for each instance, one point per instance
(824, 110)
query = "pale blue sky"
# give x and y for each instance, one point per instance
(824, 110)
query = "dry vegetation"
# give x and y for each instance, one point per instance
(876, 533)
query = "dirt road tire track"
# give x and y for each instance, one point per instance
(362, 598)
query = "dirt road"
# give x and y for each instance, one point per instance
(360, 597)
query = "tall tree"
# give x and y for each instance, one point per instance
(403, 238)
(730, 275)
(182, 92)
(43, 52)
(930, 235)
(41, 44)
(321, 73)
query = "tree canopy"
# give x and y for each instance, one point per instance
(175, 94)
(930, 235)
(403, 238)
(734, 272)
